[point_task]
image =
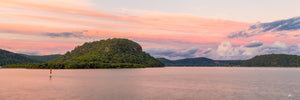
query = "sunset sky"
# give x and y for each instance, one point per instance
(175, 29)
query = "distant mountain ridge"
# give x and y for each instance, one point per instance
(200, 61)
(7, 57)
(268, 60)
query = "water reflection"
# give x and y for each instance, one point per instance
(171, 83)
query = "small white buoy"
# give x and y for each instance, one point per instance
(290, 95)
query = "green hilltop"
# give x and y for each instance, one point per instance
(110, 53)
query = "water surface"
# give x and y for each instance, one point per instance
(169, 83)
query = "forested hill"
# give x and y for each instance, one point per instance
(273, 60)
(110, 53)
(7, 57)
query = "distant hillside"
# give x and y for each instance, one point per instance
(273, 60)
(7, 57)
(110, 53)
(201, 61)
(270, 60)
(44, 58)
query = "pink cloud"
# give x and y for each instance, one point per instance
(43, 47)
(25, 28)
(152, 27)
(159, 21)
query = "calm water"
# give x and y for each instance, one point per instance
(170, 83)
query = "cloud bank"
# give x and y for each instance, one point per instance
(277, 27)
(173, 53)
(225, 51)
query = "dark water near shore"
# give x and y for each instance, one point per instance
(169, 83)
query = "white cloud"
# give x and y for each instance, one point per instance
(279, 44)
(226, 51)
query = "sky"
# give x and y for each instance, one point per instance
(174, 29)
